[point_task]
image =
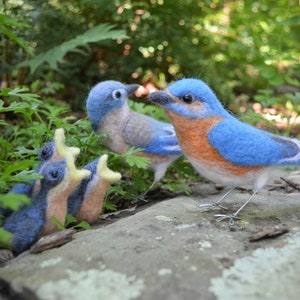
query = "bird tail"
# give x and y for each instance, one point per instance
(292, 151)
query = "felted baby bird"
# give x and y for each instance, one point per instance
(108, 111)
(86, 201)
(50, 152)
(54, 150)
(31, 222)
(218, 145)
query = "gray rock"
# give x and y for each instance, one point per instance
(171, 250)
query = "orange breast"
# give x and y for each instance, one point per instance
(193, 139)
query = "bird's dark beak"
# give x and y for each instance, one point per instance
(130, 88)
(160, 98)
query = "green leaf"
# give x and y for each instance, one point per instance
(3, 123)
(6, 22)
(293, 21)
(18, 166)
(83, 225)
(178, 186)
(56, 55)
(134, 160)
(5, 237)
(131, 159)
(71, 219)
(21, 93)
(56, 222)
(110, 206)
(13, 201)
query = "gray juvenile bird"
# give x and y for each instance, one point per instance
(108, 111)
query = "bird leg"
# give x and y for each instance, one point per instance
(215, 205)
(142, 198)
(232, 217)
(149, 189)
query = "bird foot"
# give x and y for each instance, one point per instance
(139, 201)
(221, 217)
(209, 206)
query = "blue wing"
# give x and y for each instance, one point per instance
(153, 136)
(22, 188)
(245, 145)
(164, 140)
(25, 225)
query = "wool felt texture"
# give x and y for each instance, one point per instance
(92, 190)
(218, 144)
(27, 223)
(245, 145)
(54, 150)
(46, 152)
(199, 93)
(44, 155)
(108, 111)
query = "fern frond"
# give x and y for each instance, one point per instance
(56, 55)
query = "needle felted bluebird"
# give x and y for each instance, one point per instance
(108, 111)
(86, 201)
(54, 150)
(58, 197)
(30, 222)
(218, 145)
(51, 151)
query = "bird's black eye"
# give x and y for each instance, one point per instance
(188, 98)
(117, 94)
(44, 152)
(54, 174)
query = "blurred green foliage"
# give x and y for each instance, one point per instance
(236, 46)
(52, 52)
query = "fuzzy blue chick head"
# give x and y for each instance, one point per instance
(46, 152)
(105, 97)
(191, 98)
(53, 174)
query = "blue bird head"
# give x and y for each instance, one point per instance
(53, 174)
(191, 98)
(105, 97)
(46, 152)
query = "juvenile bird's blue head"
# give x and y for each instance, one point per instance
(191, 98)
(53, 174)
(105, 97)
(46, 151)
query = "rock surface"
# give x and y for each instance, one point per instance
(171, 250)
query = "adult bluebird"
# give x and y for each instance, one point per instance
(219, 146)
(108, 111)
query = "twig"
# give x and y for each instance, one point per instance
(52, 240)
(269, 232)
(292, 184)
